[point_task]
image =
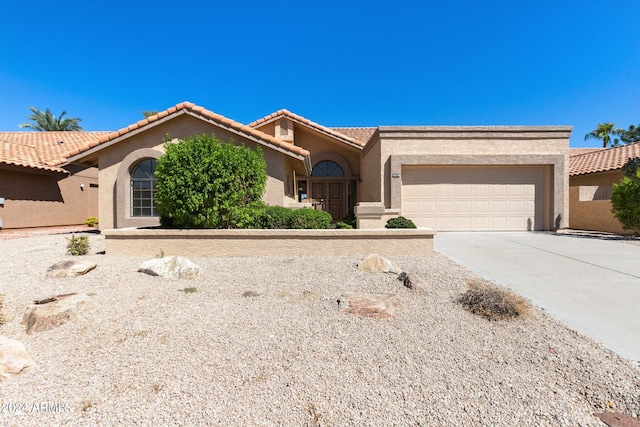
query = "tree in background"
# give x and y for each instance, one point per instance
(630, 135)
(203, 182)
(604, 132)
(625, 199)
(148, 114)
(45, 121)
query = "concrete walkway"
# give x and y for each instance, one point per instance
(591, 285)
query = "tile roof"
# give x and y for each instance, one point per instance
(41, 150)
(318, 127)
(602, 160)
(197, 111)
(577, 151)
(363, 134)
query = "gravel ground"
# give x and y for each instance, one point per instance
(146, 353)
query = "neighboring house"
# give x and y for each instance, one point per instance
(36, 193)
(447, 178)
(592, 173)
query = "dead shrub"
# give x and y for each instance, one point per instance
(493, 302)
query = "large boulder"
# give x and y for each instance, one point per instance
(377, 264)
(14, 359)
(378, 306)
(52, 312)
(172, 267)
(70, 268)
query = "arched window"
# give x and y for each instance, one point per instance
(143, 188)
(327, 168)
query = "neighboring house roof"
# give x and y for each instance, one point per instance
(363, 134)
(41, 150)
(308, 123)
(197, 111)
(602, 160)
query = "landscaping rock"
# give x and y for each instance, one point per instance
(173, 267)
(378, 306)
(52, 312)
(378, 264)
(411, 281)
(69, 268)
(14, 359)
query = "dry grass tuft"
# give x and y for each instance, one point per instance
(493, 302)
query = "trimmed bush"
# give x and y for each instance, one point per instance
(400, 222)
(92, 221)
(203, 182)
(310, 218)
(492, 302)
(78, 245)
(273, 217)
(625, 198)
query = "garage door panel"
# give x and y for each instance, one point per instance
(474, 198)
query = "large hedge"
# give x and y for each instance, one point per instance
(203, 182)
(625, 199)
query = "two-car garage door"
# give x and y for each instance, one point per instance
(474, 198)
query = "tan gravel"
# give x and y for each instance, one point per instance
(148, 353)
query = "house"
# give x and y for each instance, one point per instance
(444, 177)
(36, 193)
(592, 173)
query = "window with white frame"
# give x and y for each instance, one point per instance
(143, 188)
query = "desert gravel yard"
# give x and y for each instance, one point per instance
(263, 342)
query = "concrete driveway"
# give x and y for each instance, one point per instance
(591, 285)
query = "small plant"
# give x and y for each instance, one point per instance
(492, 302)
(250, 294)
(189, 290)
(78, 245)
(342, 225)
(400, 222)
(92, 221)
(160, 254)
(350, 219)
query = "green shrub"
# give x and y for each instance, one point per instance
(400, 222)
(342, 225)
(92, 221)
(78, 245)
(492, 302)
(189, 290)
(203, 182)
(273, 217)
(625, 198)
(350, 219)
(310, 218)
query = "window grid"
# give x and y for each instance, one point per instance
(143, 189)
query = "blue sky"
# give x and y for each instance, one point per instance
(339, 63)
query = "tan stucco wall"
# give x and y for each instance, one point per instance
(43, 200)
(505, 145)
(593, 215)
(268, 242)
(149, 143)
(322, 148)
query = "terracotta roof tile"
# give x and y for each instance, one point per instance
(296, 118)
(43, 150)
(577, 151)
(363, 134)
(602, 160)
(200, 111)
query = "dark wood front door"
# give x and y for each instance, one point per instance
(330, 196)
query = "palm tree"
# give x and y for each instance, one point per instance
(604, 132)
(48, 122)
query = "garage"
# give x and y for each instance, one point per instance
(476, 198)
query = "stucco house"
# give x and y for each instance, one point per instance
(592, 173)
(34, 192)
(442, 177)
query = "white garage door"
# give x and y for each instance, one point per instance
(473, 198)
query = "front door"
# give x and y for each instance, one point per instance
(330, 197)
